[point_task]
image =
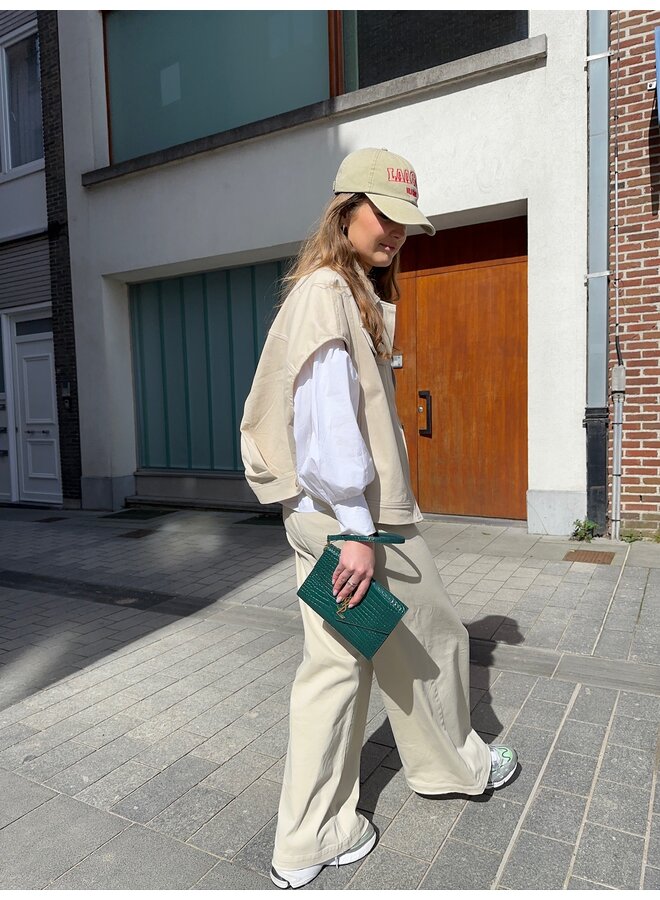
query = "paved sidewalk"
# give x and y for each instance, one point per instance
(145, 667)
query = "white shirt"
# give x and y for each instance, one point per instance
(334, 464)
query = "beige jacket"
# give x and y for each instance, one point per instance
(319, 309)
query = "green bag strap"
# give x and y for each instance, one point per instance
(369, 538)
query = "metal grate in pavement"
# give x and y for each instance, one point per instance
(600, 557)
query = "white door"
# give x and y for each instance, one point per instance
(36, 413)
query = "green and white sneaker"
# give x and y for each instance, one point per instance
(503, 765)
(297, 878)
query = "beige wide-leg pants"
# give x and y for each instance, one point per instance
(423, 674)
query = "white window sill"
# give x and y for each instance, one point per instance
(21, 171)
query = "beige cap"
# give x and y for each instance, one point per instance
(388, 180)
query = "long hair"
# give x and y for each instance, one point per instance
(330, 247)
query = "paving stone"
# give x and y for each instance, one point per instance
(461, 866)
(48, 764)
(511, 688)
(543, 714)
(174, 746)
(95, 765)
(555, 814)
(387, 870)
(19, 796)
(384, 792)
(276, 772)
(620, 806)
(654, 843)
(613, 645)
(593, 705)
(569, 772)
(14, 734)
(138, 859)
(627, 766)
(581, 737)
(580, 884)
(228, 831)
(421, 825)
(105, 731)
(493, 717)
(257, 854)
(166, 787)
(49, 840)
(532, 744)
(609, 857)
(641, 734)
(116, 785)
(226, 743)
(226, 876)
(190, 812)
(639, 706)
(537, 863)
(371, 757)
(651, 879)
(272, 742)
(238, 772)
(488, 822)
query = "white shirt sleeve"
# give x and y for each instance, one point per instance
(334, 464)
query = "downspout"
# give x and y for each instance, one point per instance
(618, 381)
(596, 412)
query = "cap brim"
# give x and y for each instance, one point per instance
(401, 211)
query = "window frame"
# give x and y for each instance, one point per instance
(35, 165)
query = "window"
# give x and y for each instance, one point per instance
(380, 45)
(21, 137)
(176, 76)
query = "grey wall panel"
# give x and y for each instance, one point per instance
(24, 272)
(11, 19)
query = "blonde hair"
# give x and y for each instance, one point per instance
(330, 247)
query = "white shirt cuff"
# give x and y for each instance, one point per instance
(353, 515)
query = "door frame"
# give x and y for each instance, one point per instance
(8, 319)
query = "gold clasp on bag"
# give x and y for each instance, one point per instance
(343, 606)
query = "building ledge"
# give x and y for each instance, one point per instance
(498, 63)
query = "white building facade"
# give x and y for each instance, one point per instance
(176, 249)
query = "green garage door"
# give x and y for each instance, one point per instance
(196, 342)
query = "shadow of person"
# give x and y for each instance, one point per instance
(485, 635)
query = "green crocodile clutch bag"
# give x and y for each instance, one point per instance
(367, 625)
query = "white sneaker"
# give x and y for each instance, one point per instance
(296, 878)
(503, 765)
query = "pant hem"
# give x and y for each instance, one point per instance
(320, 857)
(471, 791)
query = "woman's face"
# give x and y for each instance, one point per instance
(376, 238)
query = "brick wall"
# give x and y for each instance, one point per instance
(58, 235)
(632, 43)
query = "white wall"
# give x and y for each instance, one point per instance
(517, 138)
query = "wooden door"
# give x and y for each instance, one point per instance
(462, 391)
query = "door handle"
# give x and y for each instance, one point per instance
(428, 430)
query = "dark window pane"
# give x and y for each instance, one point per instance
(381, 45)
(34, 326)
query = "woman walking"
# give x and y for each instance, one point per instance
(321, 435)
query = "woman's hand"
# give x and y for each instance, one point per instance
(354, 572)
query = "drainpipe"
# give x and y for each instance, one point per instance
(618, 382)
(596, 412)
